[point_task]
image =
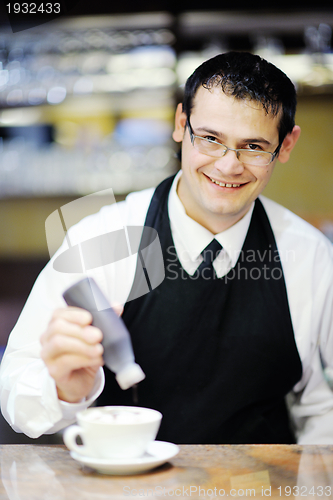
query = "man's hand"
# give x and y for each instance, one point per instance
(72, 352)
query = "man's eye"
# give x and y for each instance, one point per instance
(210, 138)
(254, 147)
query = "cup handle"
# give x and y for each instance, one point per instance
(70, 435)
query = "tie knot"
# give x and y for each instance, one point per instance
(211, 251)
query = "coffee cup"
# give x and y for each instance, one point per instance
(113, 432)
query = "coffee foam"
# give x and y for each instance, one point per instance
(116, 417)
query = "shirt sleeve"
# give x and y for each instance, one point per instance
(312, 400)
(29, 399)
(28, 394)
(307, 262)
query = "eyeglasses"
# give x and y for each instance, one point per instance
(217, 150)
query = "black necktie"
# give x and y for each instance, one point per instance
(209, 254)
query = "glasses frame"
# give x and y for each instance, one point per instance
(237, 151)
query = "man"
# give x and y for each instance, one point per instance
(229, 348)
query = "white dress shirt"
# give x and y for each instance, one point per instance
(28, 394)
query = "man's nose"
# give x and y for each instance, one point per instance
(229, 163)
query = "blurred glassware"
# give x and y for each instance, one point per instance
(318, 45)
(126, 68)
(268, 47)
(318, 40)
(52, 58)
(53, 169)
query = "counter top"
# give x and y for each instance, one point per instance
(33, 472)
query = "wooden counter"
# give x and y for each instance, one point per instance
(33, 472)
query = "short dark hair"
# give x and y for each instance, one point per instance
(246, 76)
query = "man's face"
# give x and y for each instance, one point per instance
(237, 124)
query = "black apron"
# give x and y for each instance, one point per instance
(219, 355)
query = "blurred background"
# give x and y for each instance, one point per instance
(87, 102)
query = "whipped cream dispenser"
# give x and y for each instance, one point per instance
(118, 350)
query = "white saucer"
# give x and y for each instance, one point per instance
(157, 454)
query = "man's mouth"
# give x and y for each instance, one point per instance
(224, 184)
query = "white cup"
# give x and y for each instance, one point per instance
(113, 432)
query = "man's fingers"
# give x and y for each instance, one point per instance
(72, 352)
(73, 315)
(61, 326)
(61, 344)
(70, 363)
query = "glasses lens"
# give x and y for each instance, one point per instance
(209, 147)
(260, 159)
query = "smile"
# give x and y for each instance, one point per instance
(222, 184)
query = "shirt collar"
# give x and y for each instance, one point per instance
(194, 237)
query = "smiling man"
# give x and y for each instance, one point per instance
(218, 187)
(229, 340)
